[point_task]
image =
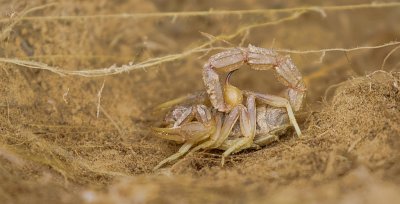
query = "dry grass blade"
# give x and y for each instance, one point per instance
(147, 63)
(214, 12)
(6, 31)
(160, 60)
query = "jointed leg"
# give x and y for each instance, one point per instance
(183, 129)
(213, 138)
(271, 137)
(266, 139)
(259, 140)
(185, 148)
(192, 132)
(227, 126)
(247, 127)
(228, 143)
(279, 102)
(181, 115)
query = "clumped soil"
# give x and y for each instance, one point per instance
(74, 139)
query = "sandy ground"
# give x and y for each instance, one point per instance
(78, 139)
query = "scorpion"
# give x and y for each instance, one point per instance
(227, 118)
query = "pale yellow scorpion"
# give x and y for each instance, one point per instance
(208, 120)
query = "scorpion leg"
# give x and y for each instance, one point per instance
(194, 133)
(228, 143)
(259, 141)
(184, 148)
(222, 130)
(279, 102)
(270, 137)
(191, 133)
(227, 126)
(188, 130)
(183, 116)
(214, 136)
(247, 127)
